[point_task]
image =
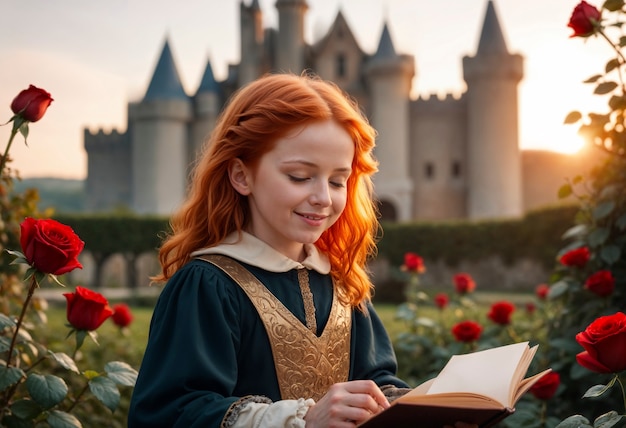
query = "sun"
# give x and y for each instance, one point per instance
(564, 139)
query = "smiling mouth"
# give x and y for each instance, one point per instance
(312, 217)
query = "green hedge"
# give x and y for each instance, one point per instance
(537, 236)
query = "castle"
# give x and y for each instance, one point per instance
(440, 158)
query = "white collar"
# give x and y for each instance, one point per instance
(249, 249)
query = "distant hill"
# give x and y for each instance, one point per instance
(64, 195)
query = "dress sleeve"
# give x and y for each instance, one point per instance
(189, 369)
(373, 356)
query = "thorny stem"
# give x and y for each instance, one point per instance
(31, 291)
(621, 385)
(3, 161)
(77, 399)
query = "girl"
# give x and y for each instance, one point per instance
(266, 318)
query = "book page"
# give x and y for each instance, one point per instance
(493, 373)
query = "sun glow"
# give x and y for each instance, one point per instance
(565, 139)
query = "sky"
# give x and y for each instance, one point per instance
(96, 56)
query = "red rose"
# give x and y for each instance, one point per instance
(542, 291)
(467, 331)
(585, 20)
(463, 283)
(49, 246)
(413, 263)
(578, 257)
(545, 387)
(441, 300)
(86, 309)
(530, 308)
(501, 312)
(122, 316)
(601, 283)
(604, 341)
(31, 103)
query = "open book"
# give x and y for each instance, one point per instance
(480, 388)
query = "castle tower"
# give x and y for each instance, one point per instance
(159, 135)
(290, 44)
(389, 76)
(207, 106)
(493, 155)
(251, 28)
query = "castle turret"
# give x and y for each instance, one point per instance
(389, 76)
(159, 152)
(494, 162)
(290, 44)
(251, 28)
(207, 105)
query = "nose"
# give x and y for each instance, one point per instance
(320, 194)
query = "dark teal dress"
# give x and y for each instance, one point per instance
(208, 347)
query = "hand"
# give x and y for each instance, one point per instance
(346, 405)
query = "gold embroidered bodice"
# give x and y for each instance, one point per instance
(306, 365)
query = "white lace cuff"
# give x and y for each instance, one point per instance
(281, 414)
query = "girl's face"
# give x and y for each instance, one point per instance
(298, 189)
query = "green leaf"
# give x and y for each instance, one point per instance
(26, 409)
(5, 322)
(617, 102)
(621, 222)
(597, 390)
(611, 65)
(24, 131)
(557, 289)
(10, 376)
(608, 420)
(572, 117)
(613, 5)
(604, 88)
(106, 391)
(565, 191)
(58, 419)
(622, 41)
(575, 232)
(47, 390)
(599, 236)
(121, 373)
(603, 209)
(66, 361)
(610, 254)
(12, 421)
(593, 79)
(575, 421)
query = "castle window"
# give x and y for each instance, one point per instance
(456, 169)
(341, 65)
(429, 170)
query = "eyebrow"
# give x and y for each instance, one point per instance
(314, 165)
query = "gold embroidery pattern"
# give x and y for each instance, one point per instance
(307, 298)
(306, 365)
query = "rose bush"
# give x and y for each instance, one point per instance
(122, 315)
(463, 283)
(49, 246)
(41, 386)
(501, 312)
(604, 341)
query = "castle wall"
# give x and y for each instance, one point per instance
(160, 155)
(108, 184)
(494, 165)
(438, 158)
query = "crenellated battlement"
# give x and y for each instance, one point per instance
(103, 138)
(436, 103)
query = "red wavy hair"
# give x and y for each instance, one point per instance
(253, 120)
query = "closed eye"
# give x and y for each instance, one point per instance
(297, 179)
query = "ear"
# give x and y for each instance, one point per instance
(239, 176)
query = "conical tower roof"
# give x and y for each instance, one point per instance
(491, 38)
(385, 45)
(208, 83)
(165, 83)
